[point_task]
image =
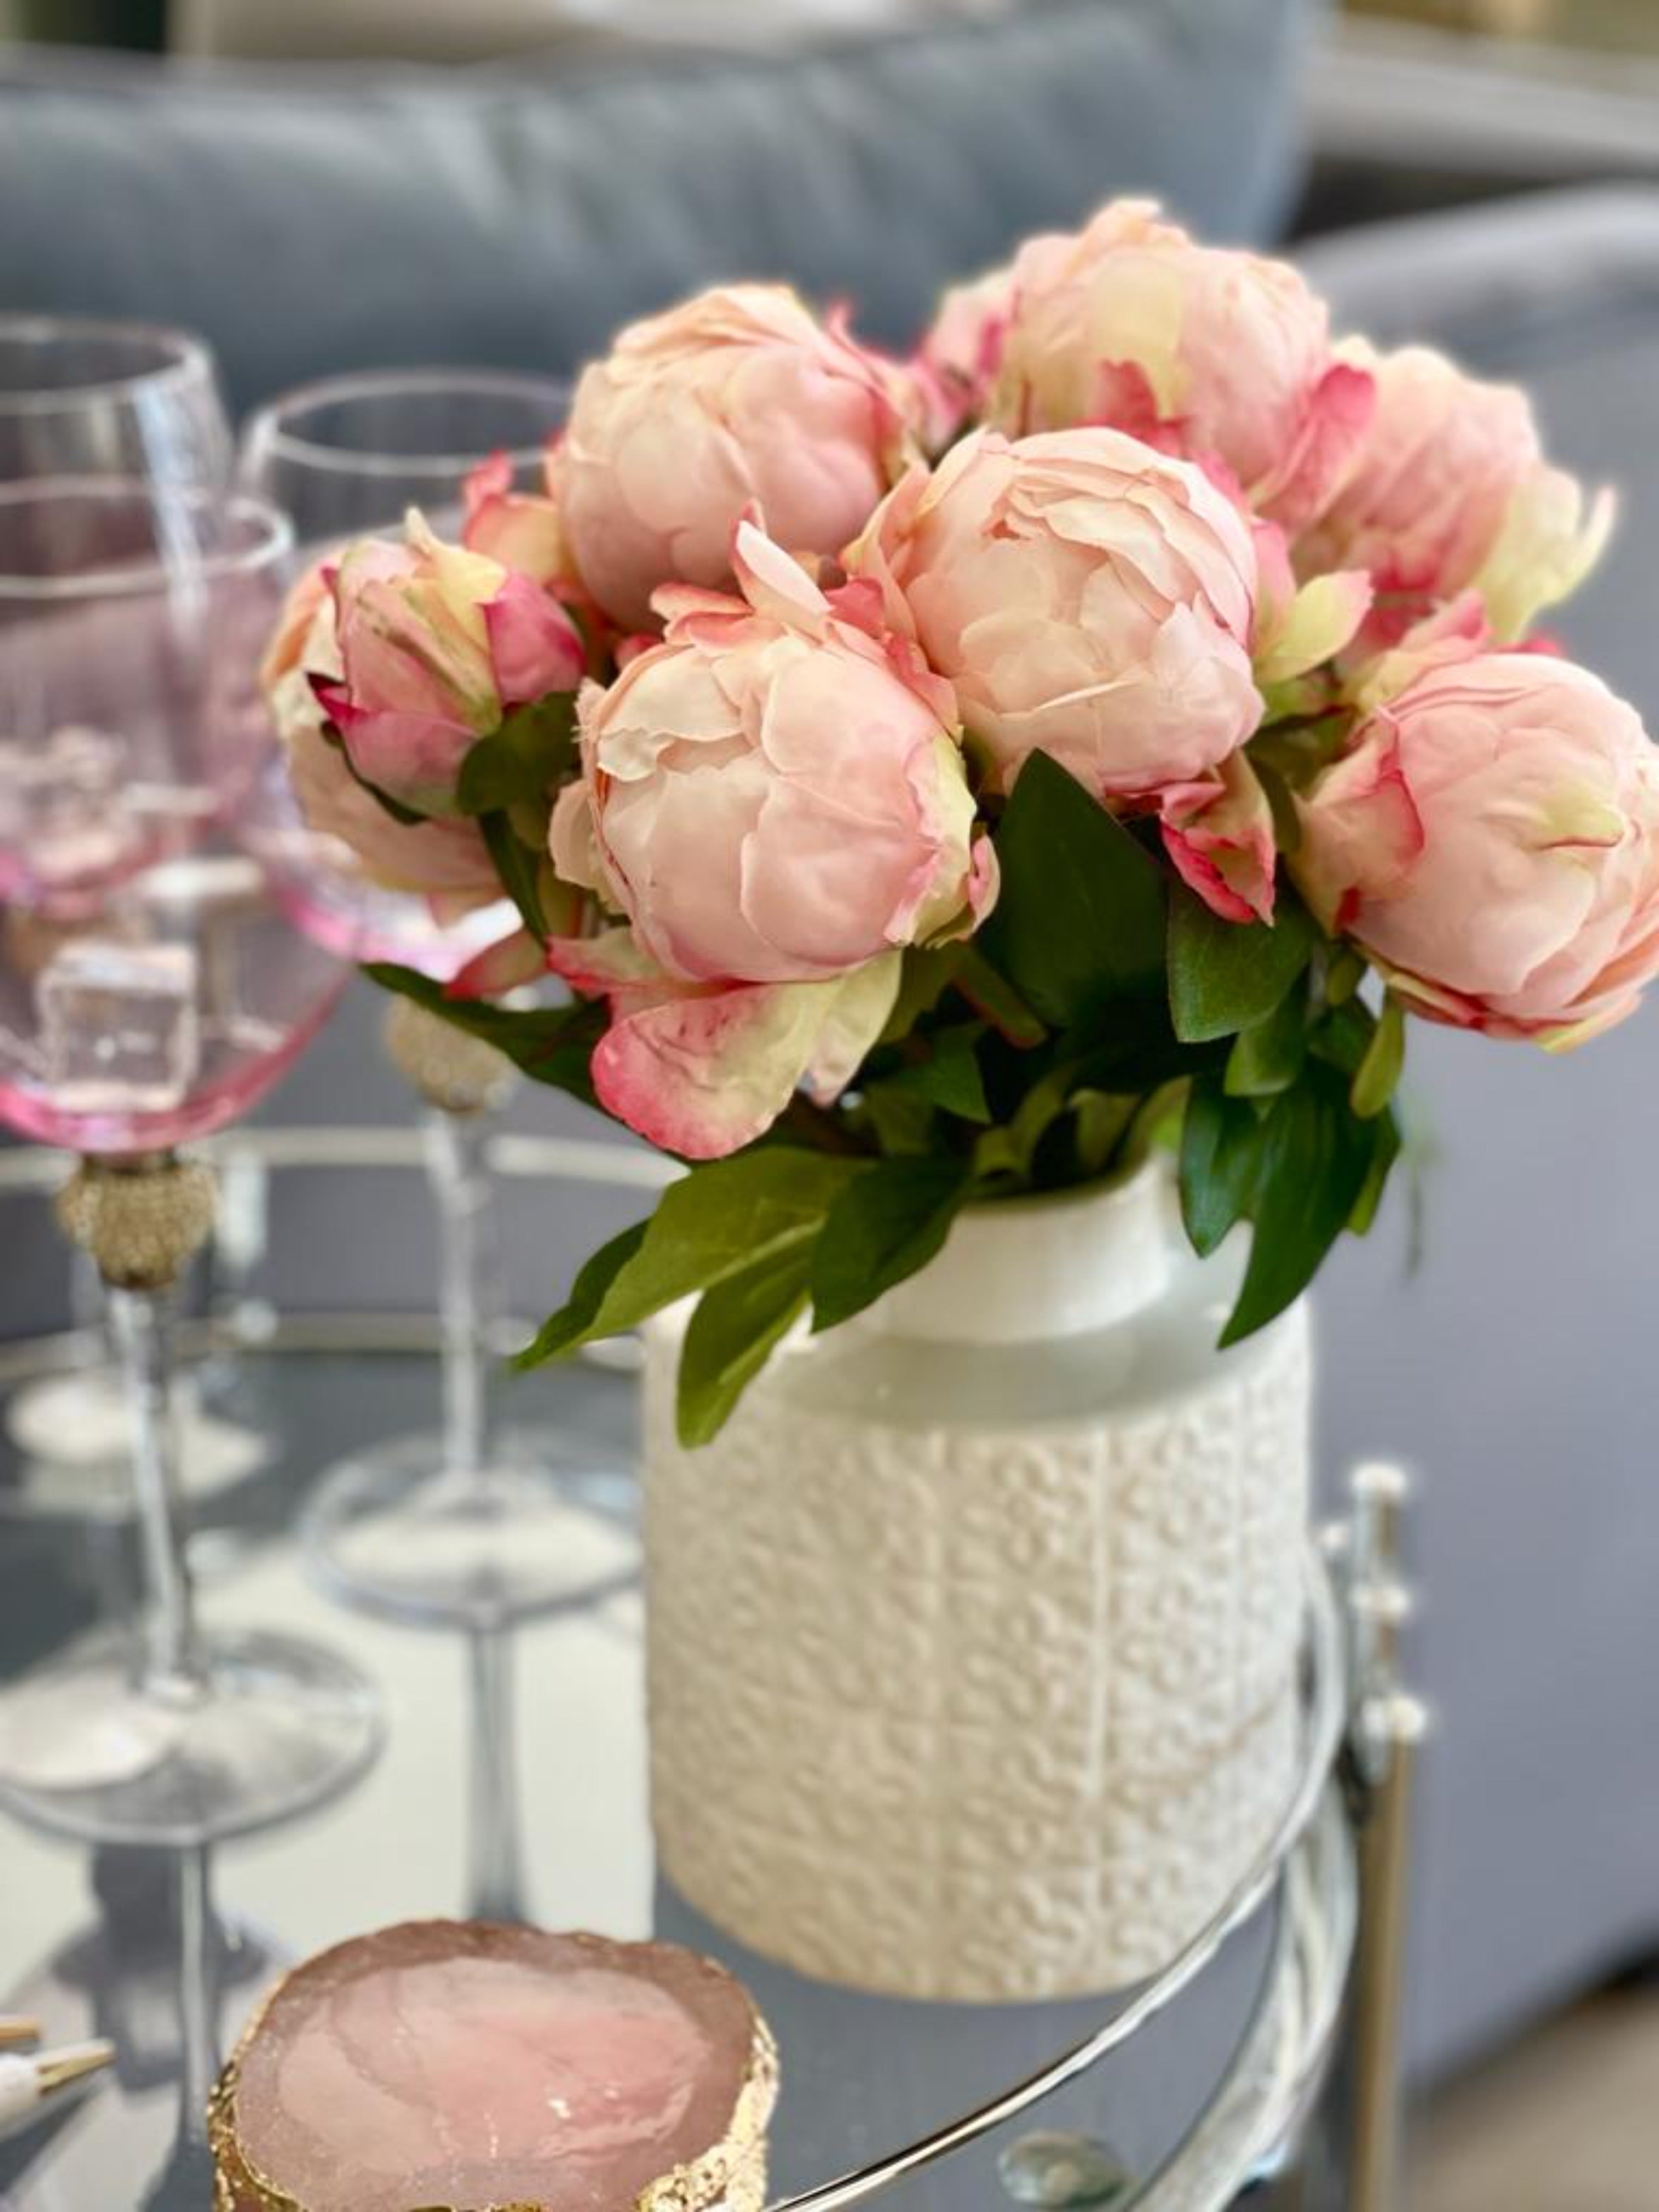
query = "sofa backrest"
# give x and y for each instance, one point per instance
(317, 219)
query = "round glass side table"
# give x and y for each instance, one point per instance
(1260, 2065)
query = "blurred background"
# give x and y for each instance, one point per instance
(320, 186)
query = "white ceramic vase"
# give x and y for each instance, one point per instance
(973, 1638)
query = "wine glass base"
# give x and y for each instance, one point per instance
(396, 1532)
(277, 1727)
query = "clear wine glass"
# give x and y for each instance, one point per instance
(468, 1524)
(151, 989)
(82, 398)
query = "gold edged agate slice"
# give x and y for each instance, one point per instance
(444, 2066)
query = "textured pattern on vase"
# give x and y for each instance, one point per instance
(958, 1714)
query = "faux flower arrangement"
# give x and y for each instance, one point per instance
(939, 781)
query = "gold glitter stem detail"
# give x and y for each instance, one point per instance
(141, 1218)
(453, 1072)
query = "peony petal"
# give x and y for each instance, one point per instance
(1338, 415)
(572, 840)
(414, 758)
(1220, 834)
(519, 530)
(775, 584)
(1546, 547)
(1323, 617)
(702, 1075)
(856, 1017)
(507, 965)
(463, 580)
(1456, 631)
(1366, 827)
(612, 965)
(534, 648)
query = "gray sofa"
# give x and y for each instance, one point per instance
(330, 219)
(309, 222)
(1514, 1366)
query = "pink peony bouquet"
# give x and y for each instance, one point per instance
(935, 780)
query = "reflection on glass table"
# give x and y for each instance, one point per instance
(533, 1804)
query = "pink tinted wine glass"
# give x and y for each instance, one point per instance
(470, 1524)
(151, 989)
(78, 398)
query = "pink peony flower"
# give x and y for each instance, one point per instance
(1449, 490)
(962, 351)
(521, 529)
(1221, 356)
(778, 805)
(436, 643)
(447, 862)
(1220, 834)
(740, 396)
(1490, 839)
(1087, 596)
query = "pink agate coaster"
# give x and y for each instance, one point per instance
(481, 2069)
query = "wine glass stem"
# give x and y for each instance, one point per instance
(495, 1884)
(141, 1322)
(199, 2006)
(460, 1184)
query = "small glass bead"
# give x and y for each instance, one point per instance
(1053, 2169)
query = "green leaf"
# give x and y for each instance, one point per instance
(995, 998)
(1159, 1120)
(714, 1222)
(1344, 974)
(1221, 1140)
(551, 1044)
(736, 1327)
(1140, 1051)
(1007, 1150)
(596, 1276)
(1226, 976)
(948, 1078)
(1105, 1120)
(1266, 1058)
(523, 761)
(1314, 1157)
(1287, 823)
(519, 866)
(924, 978)
(1386, 1143)
(1344, 1038)
(1294, 744)
(882, 1227)
(1377, 1076)
(903, 1123)
(1079, 919)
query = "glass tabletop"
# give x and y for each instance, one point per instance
(513, 1786)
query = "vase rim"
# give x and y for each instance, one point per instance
(1122, 1183)
(1041, 1264)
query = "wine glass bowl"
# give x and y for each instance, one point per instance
(348, 456)
(151, 986)
(80, 398)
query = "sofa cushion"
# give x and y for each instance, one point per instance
(309, 220)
